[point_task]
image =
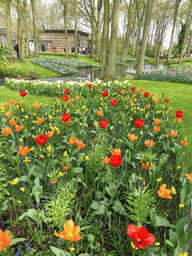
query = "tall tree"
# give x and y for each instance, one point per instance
(110, 69)
(20, 30)
(188, 24)
(189, 44)
(97, 36)
(149, 9)
(176, 11)
(105, 36)
(92, 6)
(33, 5)
(8, 23)
(65, 5)
(76, 50)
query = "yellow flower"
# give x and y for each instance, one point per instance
(65, 153)
(22, 189)
(61, 174)
(173, 191)
(178, 167)
(160, 179)
(141, 132)
(157, 244)
(55, 233)
(181, 205)
(71, 249)
(15, 181)
(182, 254)
(133, 246)
(19, 202)
(87, 158)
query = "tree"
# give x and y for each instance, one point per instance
(188, 24)
(110, 69)
(105, 36)
(97, 36)
(181, 36)
(176, 10)
(33, 5)
(149, 9)
(8, 23)
(92, 7)
(65, 5)
(76, 50)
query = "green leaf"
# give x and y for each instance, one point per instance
(31, 213)
(150, 251)
(37, 190)
(95, 205)
(59, 252)
(17, 240)
(127, 156)
(173, 237)
(169, 243)
(84, 254)
(181, 228)
(102, 210)
(189, 236)
(119, 208)
(91, 238)
(4, 205)
(111, 190)
(159, 221)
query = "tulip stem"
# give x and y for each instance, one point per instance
(142, 183)
(134, 252)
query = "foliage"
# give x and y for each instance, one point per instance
(181, 37)
(5, 52)
(8, 69)
(77, 150)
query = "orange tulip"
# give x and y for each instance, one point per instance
(178, 120)
(157, 121)
(12, 122)
(80, 144)
(167, 135)
(143, 89)
(12, 101)
(132, 137)
(189, 177)
(6, 131)
(5, 239)
(138, 91)
(36, 106)
(6, 105)
(77, 97)
(72, 140)
(8, 114)
(146, 165)
(18, 128)
(49, 134)
(116, 152)
(148, 106)
(134, 95)
(68, 102)
(149, 143)
(24, 150)
(155, 100)
(99, 113)
(164, 193)
(184, 143)
(156, 128)
(53, 182)
(173, 133)
(67, 122)
(106, 160)
(40, 120)
(71, 232)
(123, 92)
(132, 101)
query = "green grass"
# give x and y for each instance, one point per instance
(180, 96)
(43, 72)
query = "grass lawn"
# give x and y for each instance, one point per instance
(43, 72)
(180, 96)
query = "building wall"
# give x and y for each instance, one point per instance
(57, 39)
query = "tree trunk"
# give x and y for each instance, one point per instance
(105, 37)
(66, 35)
(20, 31)
(33, 5)
(177, 3)
(189, 45)
(149, 9)
(25, 28)
(99, 6)
(8, 23)
(76, 50)
(92, 28)
(110, 69)
(188, 24)
(128, 34)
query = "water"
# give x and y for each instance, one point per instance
(91, 74)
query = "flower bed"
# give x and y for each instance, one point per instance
(178, 75)
(107, 161)
(8, 69)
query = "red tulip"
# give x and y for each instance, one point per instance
(65, 117)
(167, 100)
(17, 105)
(104, 123)
(179, 114)
(105, 94)
(90, 86)
(115, 160)
(65, 97)
(146, 94)
(22, 93)
(41, 140)
(139, 123)
(133, 89)
(114, 102)
(140, 236)
(117, 90)
(67, 91)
